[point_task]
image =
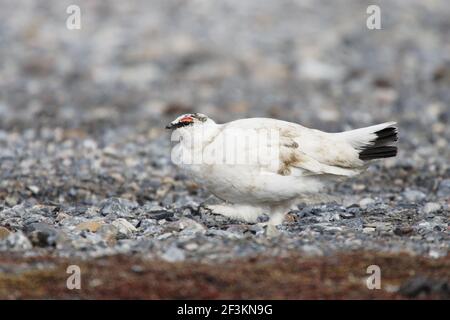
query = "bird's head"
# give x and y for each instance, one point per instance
(189, 120)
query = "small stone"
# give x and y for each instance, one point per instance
(164, 236)
(117, 206)
(4, 233)
(435, 254)
(414, 195)
(61, 216)
(425, 225)
(11, 200)
(347, 214)
(92, 225)
(358, 187)
(160, 214)
(379, 225)
(41, 234)
(174, 254)
(150, 227)
(256, 229)
(108, 232)
(124, 228)
(223, 234)
(186, 224)
(364, 203)
(368, 230)
(311, 250)
(444, 189)
(16, 241)
(431, 207)
(191, 246)
(137, 268)
(34, 189)
(316, 70)
(332, 229)
(405, 230)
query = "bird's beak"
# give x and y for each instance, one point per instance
(169, 126)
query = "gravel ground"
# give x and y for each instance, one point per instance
(85, 166)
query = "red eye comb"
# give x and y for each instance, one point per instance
(186, 119)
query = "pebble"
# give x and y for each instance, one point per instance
(414, 195)
(431, 207)
(347, 215)
(173, 254)
(61, 216)
(117, 206)
(191, 246)
(4, 233)
(109, 233)
(16, 241)
(34, 189)
(160, 214)
(444, 189)
(366, 202)
(124, 228)
(401, 231)
(368, 230)
(186, 224)
(91, 226)
(311, 250)
(42, 234)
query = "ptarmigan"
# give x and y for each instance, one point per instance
(262, 165)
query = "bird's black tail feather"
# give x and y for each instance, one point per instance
(380, 147)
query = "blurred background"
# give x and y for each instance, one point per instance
(140, 63)
(135, 65)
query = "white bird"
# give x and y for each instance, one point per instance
(262, 165)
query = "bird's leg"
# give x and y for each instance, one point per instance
(276, 218)
(236, 211)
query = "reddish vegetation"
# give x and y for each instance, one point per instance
(337, 277)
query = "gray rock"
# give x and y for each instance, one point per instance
(403, 230)
(311, 250)
(4, 233)
(150, 227)
(160, 214)
(444, 189)
(117, 207)
(366, 202)
(109, 233)
(124, 228)
(16, 241)
(42, 234)
(186, 224)
(414, 195)
(174, 254)
(348, 214)
(431, 207)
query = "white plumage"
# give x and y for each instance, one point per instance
(303, 162)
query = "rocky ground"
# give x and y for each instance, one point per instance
(85, 168)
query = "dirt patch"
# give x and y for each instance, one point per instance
(342, 276)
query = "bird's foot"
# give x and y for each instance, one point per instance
(271, 226)
(239, 212)
(270, 230)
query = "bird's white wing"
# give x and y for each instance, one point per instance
(304, 151)
(316, 153)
